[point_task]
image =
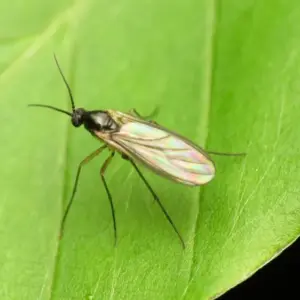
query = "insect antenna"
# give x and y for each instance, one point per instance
(66, 83)
(52, 107)
(69, 91)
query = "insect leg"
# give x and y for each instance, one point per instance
(226, 154)
(158, 201)
(83, 162)
(102, 171)
(154, 113)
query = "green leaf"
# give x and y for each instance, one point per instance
(223, 73)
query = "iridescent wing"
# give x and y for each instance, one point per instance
(163, 151)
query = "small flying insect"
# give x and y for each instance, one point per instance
(139, 140)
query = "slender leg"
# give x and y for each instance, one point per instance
(83, 162)
(102, 172)
(134, 112)
(226, 154)
(158, 201)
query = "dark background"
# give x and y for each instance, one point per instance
(280, 277)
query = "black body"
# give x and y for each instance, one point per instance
(94, 120)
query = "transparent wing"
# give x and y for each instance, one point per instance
(166, 153)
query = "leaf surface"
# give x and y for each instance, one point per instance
(223, 73)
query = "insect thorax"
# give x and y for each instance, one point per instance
(99, 121)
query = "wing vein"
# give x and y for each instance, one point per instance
(152, 146)
(166, 153)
